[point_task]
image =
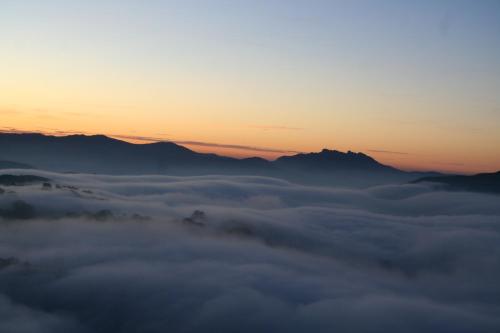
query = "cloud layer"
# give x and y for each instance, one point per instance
(246, 254)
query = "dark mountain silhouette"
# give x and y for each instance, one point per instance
(356, 169)
(483, 182)
(14, 165)
(328, 159)
(20, 180)
(101, 154)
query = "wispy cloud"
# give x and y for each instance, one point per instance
(450, 163)
(380, 151)
(46, 131)
(230, 146)
(6, 129)
(139, 137)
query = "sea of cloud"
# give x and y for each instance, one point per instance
(93, 253)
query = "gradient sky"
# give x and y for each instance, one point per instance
(416, 84)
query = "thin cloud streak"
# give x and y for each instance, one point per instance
(149, 139)
(229, 146)
(387, 152)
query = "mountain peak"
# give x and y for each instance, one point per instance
(334, 152)
(331, 159)
(329, 152)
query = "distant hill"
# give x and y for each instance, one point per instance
(483, 182)
(332, 160)
(101, 154)
(14, 165)
(20, 180)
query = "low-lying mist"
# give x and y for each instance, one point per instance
(92, 253)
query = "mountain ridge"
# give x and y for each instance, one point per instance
(482, 182)
(102, 154)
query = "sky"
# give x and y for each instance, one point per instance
(413, 84)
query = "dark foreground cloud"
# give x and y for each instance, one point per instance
(245, 254)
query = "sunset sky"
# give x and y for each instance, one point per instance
(415, 84)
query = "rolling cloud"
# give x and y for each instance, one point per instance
(247, 254)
